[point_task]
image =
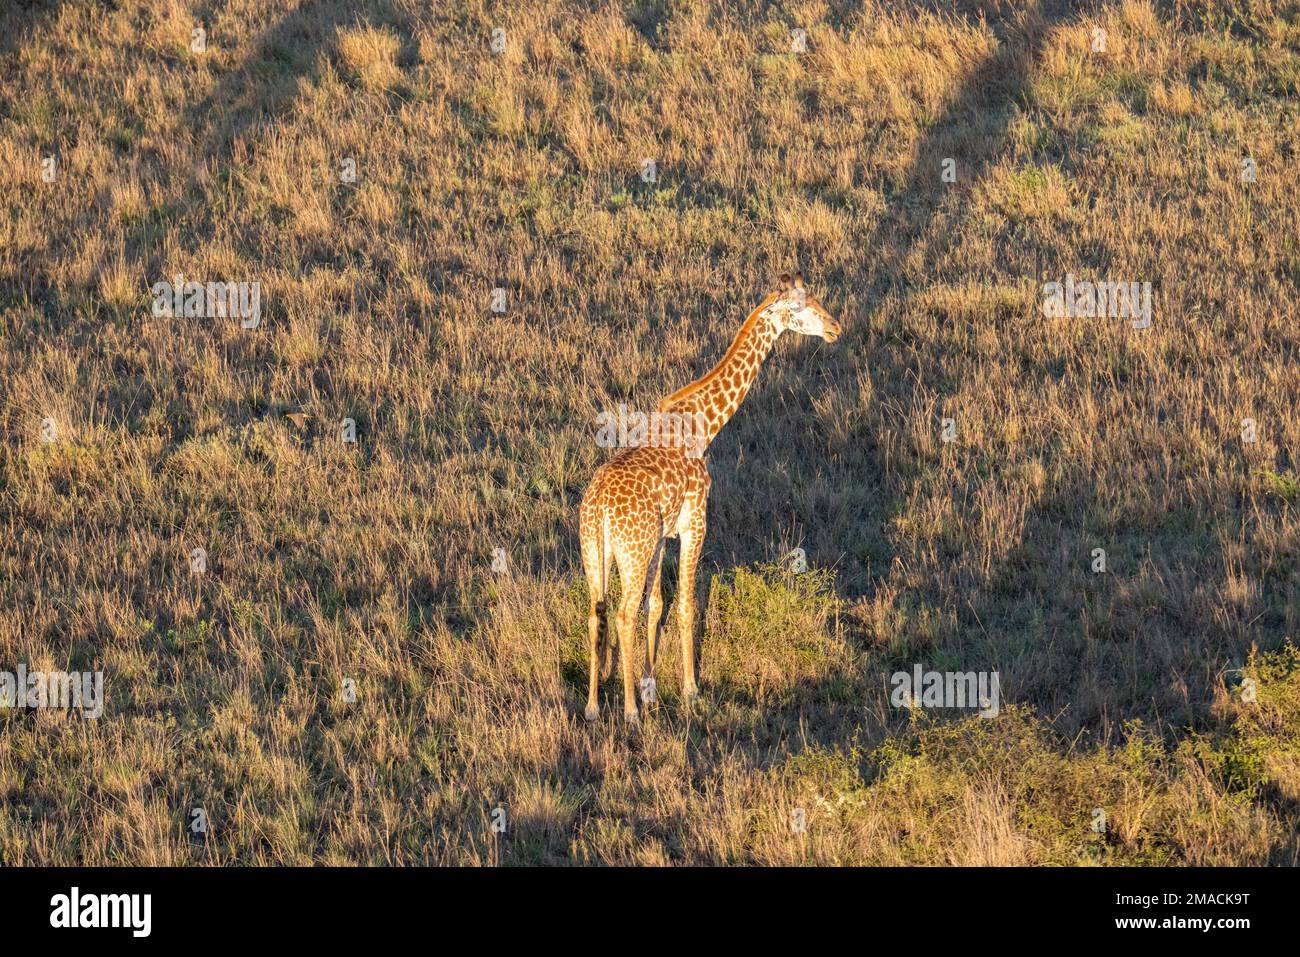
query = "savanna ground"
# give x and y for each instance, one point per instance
(330, 561)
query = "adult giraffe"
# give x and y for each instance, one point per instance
(648, 494)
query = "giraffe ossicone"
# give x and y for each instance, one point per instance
(648, 494)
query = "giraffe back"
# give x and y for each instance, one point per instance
(642, 492)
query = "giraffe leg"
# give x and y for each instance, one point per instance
(595, 561)
(595, 629)
(692, 540)
(608, 641)
(631, 568)
(654, 610)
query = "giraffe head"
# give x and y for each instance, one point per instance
(793, 308)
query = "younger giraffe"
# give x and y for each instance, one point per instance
(647, 494)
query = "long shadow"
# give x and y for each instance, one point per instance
(972, 130)
(19, 20)
(1126, 658)
(260, 91)
(256, 93)
(1091, 651)
(245, 100)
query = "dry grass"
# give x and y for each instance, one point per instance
(373, 562)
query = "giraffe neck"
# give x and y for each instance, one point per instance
(717, 395)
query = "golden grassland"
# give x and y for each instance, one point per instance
(372, 561)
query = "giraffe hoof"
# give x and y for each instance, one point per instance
(692, 696)
(632, 718)
(592, 712)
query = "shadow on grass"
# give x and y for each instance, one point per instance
(19, 21)
(1090, 653)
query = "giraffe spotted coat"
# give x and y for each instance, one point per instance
(646, 495)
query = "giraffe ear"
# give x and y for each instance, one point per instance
(785, 280)
(798, 279)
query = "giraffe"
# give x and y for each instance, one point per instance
(650, 493)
